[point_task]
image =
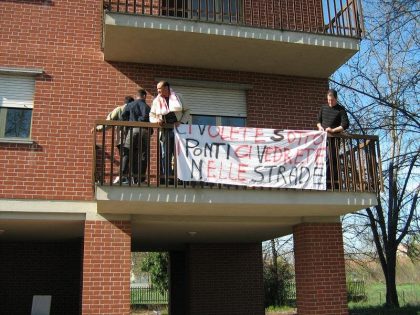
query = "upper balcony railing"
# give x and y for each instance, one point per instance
(329, 17)
(355, 165)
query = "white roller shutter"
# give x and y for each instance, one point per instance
(213, 101)
(17, 91)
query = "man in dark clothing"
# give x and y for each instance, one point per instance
(332, 118)
(137, 140)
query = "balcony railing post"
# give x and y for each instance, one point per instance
(158, 155)
(358, 9)
(361, 166)
(379, 171)
(338, 162)
(142, 155)
(94, 171)
(287, 15)
(302, 18)
(103, 158)
(122, 139)
(112, 155)
(353, 167)
(374, 169)
(345, 165)
(341, 14)
(130, 154)
(329, 25)
(349, 17)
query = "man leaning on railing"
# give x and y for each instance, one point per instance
(116, 114)
(332, 118)
(136, 111)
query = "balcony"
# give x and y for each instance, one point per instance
(220, 212)
(310, 38)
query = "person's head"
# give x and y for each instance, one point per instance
(128, 99)
(332, 97)
(163, 89)
(141, 94)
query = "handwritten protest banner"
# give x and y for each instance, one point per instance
(252, 156)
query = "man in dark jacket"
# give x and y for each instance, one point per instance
(137, 139)
(333, 119)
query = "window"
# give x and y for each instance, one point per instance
(16, 104)
(218, 120)
(213, 105)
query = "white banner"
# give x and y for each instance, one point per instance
(252, 157)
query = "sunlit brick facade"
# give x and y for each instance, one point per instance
(49, 207)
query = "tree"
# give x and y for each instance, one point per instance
(277, 270)
(381, 83)
(136, 259)
(156, 264)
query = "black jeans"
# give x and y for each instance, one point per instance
(138, 145)
(333, 146)
(167, 151)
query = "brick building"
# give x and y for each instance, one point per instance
(258, 63)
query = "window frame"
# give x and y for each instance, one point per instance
(22, 73)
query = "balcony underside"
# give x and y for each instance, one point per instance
(171, 41)
(164, 217)
(167, 218)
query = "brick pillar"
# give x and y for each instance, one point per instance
(106, 268)
(320, 271)
(225, 279)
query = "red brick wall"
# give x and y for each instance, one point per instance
(78, 86)
(320, 271)
(106, 268)
(40, 268)
(225, 279)
(63, 38)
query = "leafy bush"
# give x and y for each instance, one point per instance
(276, 285)
(156, 264)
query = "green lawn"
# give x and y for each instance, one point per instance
(409, 298)
(409, 294)
(380, 310)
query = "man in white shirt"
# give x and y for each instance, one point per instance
(168, 108)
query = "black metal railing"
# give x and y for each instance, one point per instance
(148, 296)
(356, 291)
(332, 17)
(353, 161)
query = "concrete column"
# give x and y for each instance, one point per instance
(320, 270)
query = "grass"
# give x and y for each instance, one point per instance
(149, 310)
(408, 294)
(278, 308)
(380, 310)
(409, 298)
